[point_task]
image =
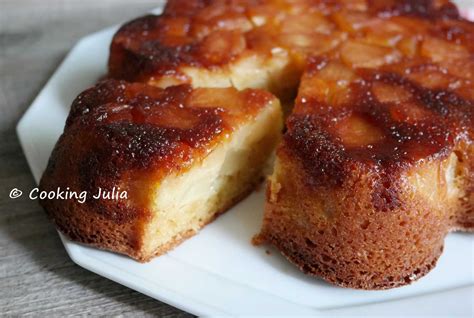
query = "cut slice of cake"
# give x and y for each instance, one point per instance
(181, 155)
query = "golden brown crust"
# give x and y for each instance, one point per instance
(341, 235)
(128, 137)
(322, 137)
(183, 35)
(126, 126)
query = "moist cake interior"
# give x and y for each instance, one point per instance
(184, 202)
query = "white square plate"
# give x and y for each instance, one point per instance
(219, 272)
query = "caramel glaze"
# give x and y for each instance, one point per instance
(138, 124)
(447, 119)
(186, 32)
(116, 130)
(419, 8)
